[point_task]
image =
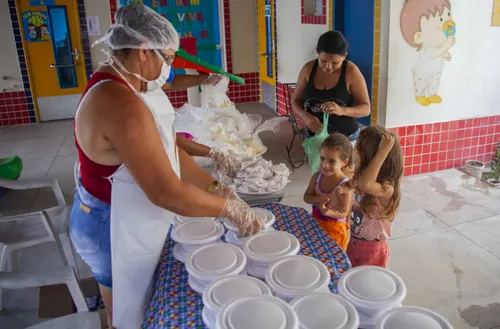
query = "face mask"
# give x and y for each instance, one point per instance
(153, 84)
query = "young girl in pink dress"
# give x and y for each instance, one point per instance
(378, 163)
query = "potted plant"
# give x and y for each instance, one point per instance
(494, 176)
(474, 168)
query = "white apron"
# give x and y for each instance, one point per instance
(139, 228)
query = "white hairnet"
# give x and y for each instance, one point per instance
(139, 27)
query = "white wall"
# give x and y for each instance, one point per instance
(9, 63)
(296, 42)
(99, 8)
(470, 83)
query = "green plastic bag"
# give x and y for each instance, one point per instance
(312, 146)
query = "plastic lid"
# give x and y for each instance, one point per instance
(372, 287)
(267, 217)
(208, 318)
(325, 310)
(179, 253)
(178, 219)
(297, 275)
(412, 318)
(232, 236)
(196, 285)
(197, 231)
(232, 287)
(215, 260)
(257, 312)
(270, 246)
(256, 271)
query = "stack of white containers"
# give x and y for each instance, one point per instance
(372, 290)
(412, 318)
(295, 276)
(214, 261)
(178, 219)
(226, 289)
(267, 247)
(268, 220)
(193, 234)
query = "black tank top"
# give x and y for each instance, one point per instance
(313, 98)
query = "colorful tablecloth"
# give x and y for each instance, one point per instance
(176, 306)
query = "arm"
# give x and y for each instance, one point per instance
(192, 148)
(185, 81)
(441, 50)
(132, 131)
(337, 213)
(192, 173)
(359, 92)
(310, 196)
(367, 181)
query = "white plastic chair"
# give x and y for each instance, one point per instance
(82, 319)
(30, 229)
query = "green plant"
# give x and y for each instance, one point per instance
(495, 165)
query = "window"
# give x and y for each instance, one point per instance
(314, 12)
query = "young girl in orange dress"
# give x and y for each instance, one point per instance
(379, 168)
(331, 208)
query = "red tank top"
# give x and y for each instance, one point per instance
(94, 176)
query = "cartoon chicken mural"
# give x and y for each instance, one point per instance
(427, 25)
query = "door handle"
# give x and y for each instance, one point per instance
(54, 66)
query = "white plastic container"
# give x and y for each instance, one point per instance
(267, 247)
(232, 237)
(267, 217)
(178, 219)
(295, 276)
(212, 262)
(227, 288)
(325, 310)
(412, 318)
(193, 234)
(372, 289)
(370, 321)
(257, 312)
(209, 319)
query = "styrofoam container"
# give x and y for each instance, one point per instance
(412, 318)
(178, 219)
(232, 236)
(195, 233)
(257, 312)
(215, 261)
(209, 319)
(267, 247)
(325, 310)
(295, 276)
(181, 252)
(370, 321)
(372, 289)
(266, 216)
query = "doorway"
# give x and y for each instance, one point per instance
(53, 46)
(267, 51)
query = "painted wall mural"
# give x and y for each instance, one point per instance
(428, 26)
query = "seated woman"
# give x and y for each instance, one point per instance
(338, 88)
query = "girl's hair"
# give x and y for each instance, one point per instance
(340, 143)
(333, 43)
(390, 173)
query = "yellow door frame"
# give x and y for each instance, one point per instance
(263, 42)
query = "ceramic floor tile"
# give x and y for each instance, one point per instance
(452, 196)
(62, 170)
(485, 232)
(37, 131)
(299, 180)
(447, 273)
(36, 148)
(68, 147)
(19, 320)
(412, 219)
(36, 168)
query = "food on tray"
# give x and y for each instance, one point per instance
(257, 175)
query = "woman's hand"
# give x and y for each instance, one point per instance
(213, 79)
(223, 190)
(312, 123)
(242, 216)
(333, 108)
(223, 161)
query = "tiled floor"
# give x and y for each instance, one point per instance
(446, 242)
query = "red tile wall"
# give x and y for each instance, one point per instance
(285, 94)
(444, 145)
(250, 92)
(13, 108)
(319, 20)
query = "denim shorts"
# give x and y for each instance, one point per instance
(90, 233)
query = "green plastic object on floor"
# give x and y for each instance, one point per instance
(312, 146)
(11, 167)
